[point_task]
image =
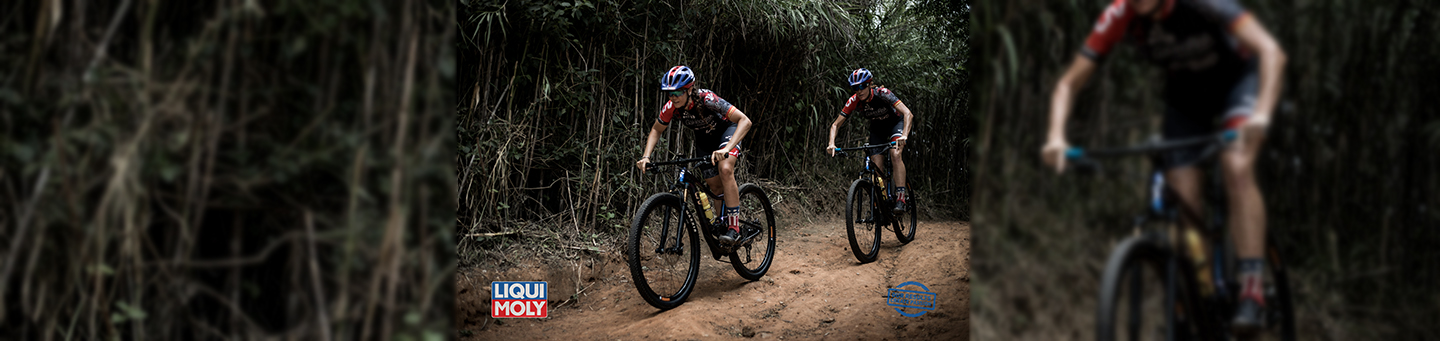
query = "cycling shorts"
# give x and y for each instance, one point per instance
(709, 143)
(885, 131)
(1181, 123)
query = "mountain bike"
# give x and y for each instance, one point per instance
(867, 207)
(1191, 290)
(663, 266)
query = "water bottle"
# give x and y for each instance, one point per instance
(709, 210)
(1194, 243)
(881, 182)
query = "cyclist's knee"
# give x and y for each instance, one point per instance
(727, 169)
(1239, 169)
(895, 156)
(1239, 179)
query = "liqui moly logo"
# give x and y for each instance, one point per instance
(518, 300)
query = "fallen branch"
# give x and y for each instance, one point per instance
(491, 234)
(592, 248)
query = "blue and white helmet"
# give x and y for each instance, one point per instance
(679, 77)
(859, 79)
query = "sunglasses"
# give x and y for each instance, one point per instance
(675, 93)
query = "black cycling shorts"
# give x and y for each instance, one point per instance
(1182, 123)
(709, 143)
(884, 131)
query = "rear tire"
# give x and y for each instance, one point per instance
(903, 231)
(860, 221)
(755, 214)
(672, 275)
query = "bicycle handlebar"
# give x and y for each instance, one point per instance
(654, 165)
(1224, 137)
(842, 151)
(1083, 160)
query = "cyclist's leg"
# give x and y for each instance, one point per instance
(730, 189)
(1181, 173)
(898, 166)
(881, 132)
(704, 145)
(727, 169)
(898, 163)
(1247, 209)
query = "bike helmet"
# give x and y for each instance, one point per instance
(859, 79)
(677, 78)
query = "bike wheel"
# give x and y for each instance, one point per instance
(861, 221)
(757, 218)
(905, 223)
(664, 273)
(1133, 301)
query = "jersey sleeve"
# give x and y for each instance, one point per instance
(666, 113)
(850, 106)
(1109, 30)
(1227, 13)
(888, 97)
(714, 103)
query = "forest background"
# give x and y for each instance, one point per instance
(1349, 175)
(557, 98)
(232, 169)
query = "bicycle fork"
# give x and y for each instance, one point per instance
(679, 233)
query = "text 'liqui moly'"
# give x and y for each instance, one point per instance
(518, 300)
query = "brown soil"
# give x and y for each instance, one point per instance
(815, 289)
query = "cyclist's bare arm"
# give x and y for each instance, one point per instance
(655, 131)
(1053, 153)
(904, 132)
(1253, 36)
(742, 126)
(834, 127)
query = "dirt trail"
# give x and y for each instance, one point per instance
(814, 290)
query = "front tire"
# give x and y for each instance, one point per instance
(861, 221)
(664, 279)
(1132, 300)
(756, 216)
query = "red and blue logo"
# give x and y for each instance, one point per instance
(518, 300)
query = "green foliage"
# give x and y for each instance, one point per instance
(1347, 175)
(170, 184)
(557, 99)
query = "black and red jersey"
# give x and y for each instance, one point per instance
(881, 105)
(707, 115)
(1193, 41)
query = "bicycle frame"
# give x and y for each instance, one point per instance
(1163, 207)
(688, 185)
(872, 174)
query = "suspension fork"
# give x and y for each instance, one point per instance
(680, 229)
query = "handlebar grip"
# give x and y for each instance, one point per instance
(1074, 153)
(1230, 135)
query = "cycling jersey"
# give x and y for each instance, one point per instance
(708, 115)
(1193, 42)
(881, 105)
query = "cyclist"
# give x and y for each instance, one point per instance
(1222, 68)
(889, 122)
(717, 124)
